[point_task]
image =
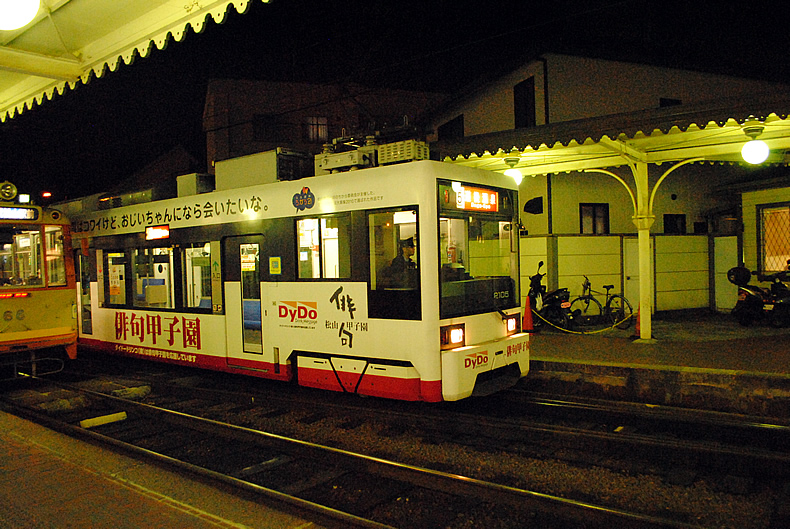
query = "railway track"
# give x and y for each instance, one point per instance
(354, 490)
(634, 457)
(661, 438)
(728, 442)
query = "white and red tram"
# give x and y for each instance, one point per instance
(298, 280)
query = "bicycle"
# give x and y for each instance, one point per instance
(616, 312)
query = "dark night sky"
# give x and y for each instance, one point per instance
(92, 137)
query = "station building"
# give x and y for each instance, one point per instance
(632, 173)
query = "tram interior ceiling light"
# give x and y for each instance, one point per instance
(754, 151)
(512, 172)
(15, 14)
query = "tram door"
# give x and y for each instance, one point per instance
(86, 317)
(243, 299)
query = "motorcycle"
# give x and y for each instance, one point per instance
(756, 303)
(552, 307)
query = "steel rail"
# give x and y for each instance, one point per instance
(326, 516)
(768, 459)
(417, 476)
(657, 411)
(771, 462)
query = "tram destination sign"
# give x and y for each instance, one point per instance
(477, 199)
(458, 196)
(18, 213)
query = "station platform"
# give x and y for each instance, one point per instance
(696, 359)
(49, 480)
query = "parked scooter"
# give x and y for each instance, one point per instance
(756, 303)
(553, 307)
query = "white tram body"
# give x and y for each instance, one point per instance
(294, 280)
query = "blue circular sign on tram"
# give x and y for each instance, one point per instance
(304, 200)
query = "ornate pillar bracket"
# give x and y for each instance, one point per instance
(643, 222)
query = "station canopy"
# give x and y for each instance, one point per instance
(712, 132)
(669, 137)
(70, 41)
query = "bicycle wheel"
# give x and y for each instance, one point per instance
(586, 310)
(619, 311)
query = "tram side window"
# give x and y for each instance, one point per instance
(152, 270)
(324, 247)
(394, 265)
(196, 267)
(115, 266)
(56, 260)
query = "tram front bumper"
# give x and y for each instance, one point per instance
(462, 366)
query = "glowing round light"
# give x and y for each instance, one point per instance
(755, 152)
(515, 174)
(15, 14)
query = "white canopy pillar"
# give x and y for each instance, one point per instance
(643, 219)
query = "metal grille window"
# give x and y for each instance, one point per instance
(774, 236)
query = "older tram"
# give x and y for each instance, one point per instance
(396, 280)
(37, 287)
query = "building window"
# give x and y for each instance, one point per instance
(594, 218)
(524, 103)
(774, 236)
(674, 224)
(316, 129)
(452, 130)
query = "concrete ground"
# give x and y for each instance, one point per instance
(697, 359)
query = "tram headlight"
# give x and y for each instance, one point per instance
(512, 324)
(453, 336)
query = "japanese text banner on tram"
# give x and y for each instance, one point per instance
(222, 207)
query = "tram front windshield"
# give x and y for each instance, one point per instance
(478, 257)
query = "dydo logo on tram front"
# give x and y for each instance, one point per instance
(476, 359)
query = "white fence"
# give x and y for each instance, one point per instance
(689, 270)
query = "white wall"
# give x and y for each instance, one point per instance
(490, 108)
(599, 258)
(682, 277)
(581, 87)
(688, 190)
(681, 273)
(534, 187)
(571, 189)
